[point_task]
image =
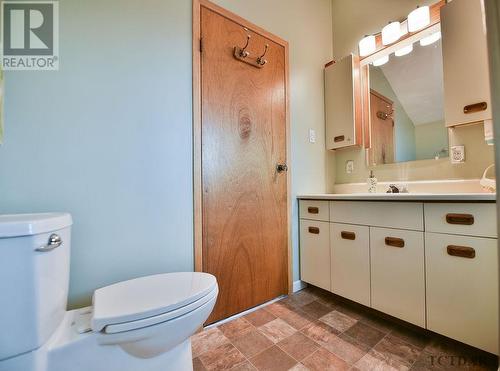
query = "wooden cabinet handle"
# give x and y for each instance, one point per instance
(461, 219)
(461, 251)
(394, 242)
(348, 235)
(476, 107)
(339, 138)
(313, 210)
(314, 230)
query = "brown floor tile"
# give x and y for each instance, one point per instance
(297, 319)
(273, 359)
(372, 362)
(392, 348)
(246, 366)
(323, 360)
(236, 328)
(316, 309)
(363, 336)
(300, 298)
(207, 340)
(252, 343)
(279, 308)
(197, 365)
(380, 323)
(298, 346)
(339, 321)
(319, 332)
(349, 310)
(416, 337)
(299, 367)
(277, 330)
(259, 317)
(224, 357)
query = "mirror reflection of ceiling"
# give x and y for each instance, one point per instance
(417, 80)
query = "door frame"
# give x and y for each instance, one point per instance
(197, 130)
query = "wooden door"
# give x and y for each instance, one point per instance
(243, 139)
(382, 129)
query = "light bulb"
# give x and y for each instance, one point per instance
(430, 39)
(381, 61)
(367, 45)
(403, 51)
(419, 18)
(391, 33)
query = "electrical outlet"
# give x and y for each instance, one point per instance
(457, 154)
(312, 136)
(349, 167)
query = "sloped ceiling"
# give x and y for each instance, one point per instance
(417, 80)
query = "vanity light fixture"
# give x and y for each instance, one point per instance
(391, 33)
(419, 19)
(367, 45)
(403, 51)
(430, 39)
(381, 61)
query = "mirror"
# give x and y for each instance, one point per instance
(406, 107)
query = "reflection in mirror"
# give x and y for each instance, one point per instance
(406, 107)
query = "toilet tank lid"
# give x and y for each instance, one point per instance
(17, 225)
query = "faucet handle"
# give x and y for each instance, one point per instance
(393, 189)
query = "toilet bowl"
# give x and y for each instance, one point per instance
(140, 324)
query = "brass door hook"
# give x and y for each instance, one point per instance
(261, 61)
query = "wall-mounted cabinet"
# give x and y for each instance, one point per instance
(465, 63)
(343, 103)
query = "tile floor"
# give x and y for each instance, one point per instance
(315, 330)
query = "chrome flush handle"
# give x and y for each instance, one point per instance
(54, 242)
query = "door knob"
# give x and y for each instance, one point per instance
(281, 168)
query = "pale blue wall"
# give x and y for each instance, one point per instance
(108, 139)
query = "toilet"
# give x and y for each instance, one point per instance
(140, 324)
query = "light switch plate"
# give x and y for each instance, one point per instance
(457, 154)
(349, 167)
(312, 136)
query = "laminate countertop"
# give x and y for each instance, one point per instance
(435, 197)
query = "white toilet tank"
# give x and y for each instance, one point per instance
(34, 278)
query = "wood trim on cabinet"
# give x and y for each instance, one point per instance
(460, 219)
(197, 166)
(461, 251)
(348, 235)
(395, 242)
(313, 230)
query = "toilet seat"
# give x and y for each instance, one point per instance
(150, 300)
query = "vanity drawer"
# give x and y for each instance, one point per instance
(400, 215)
(315, 253)
(314, 210)
(462, 288)
(461, 218)
(397, 273)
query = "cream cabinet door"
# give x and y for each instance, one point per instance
(465, 63)
(462, 288)
(350, 255)
(315, 253)
(397, 273)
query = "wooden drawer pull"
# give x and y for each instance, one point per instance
(339, 138)
(476, 107)
(314, 230)
(460, 219)
(348, 235)
(394, 242)
(461, 251)
(313, 210)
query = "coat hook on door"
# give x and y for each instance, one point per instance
(242, 52)
(261, 61)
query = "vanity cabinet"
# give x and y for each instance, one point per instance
(350, 261)
(465, 63)
(343, 103)
(397, 273)
(432, 264)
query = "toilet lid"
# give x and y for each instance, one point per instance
(148, 296)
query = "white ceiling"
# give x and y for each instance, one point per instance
(417, 80)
